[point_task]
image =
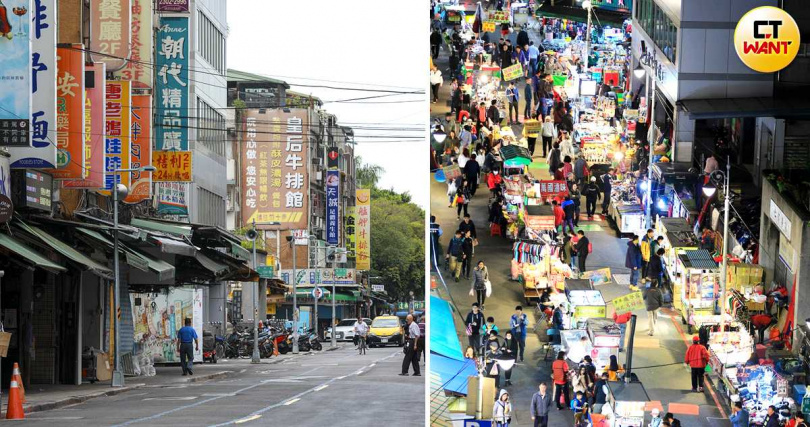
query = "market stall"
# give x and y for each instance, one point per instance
(695, 285)
(605, 336)
(757, 387)
(626, 401)
(584, 305)
(729, 347)
(624, 207)
(678, 238)
(674, 186)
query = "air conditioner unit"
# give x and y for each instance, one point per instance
(335, 255)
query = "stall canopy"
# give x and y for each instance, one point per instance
(577, 13)
(65, 249)
(30, 255)
(443, 338)
(134, 257)
(514, 155)
(746, 107)
(454, 374)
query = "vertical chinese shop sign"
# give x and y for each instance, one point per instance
(350, 230)
(332, 206)
(275, 164)
(15, 74)
(42, 151)
(171, 122)
(110, 32)
(70, 114)
(94, 127)
(140, 151)
(363, 229)
(138, 69)
(117, 124)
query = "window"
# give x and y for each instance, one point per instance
(211, 208)
(659, 27)
(210, 42)
(210, 128)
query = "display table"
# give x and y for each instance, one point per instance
(627, 402)
(585, 305)
(629, 217)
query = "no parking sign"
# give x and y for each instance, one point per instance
(317, 293)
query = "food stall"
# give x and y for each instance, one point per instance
(674, 186)
(585, 304)
(627, 401)
(678, 238)
(757, 387)
(624, 208)
(730, 347)
(605, 337)
(696, 283)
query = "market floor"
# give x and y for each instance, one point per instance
(656, 360)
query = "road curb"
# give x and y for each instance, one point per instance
(47, 406)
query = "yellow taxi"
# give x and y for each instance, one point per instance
(385, 330)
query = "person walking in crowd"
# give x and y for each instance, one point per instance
(578, 402)
(558, 317)
(455, 255)
(646, 252)
(463, 197)
(800, 420)
(512, 98)
(531, 137)
(519, 324)
(772, 418)
(527, 96)
(489, 326)
(697, 357)
(559, 216)
(466, 225)
(473, 323)
(509, 349)
(581, 170)
(567, 167)
(553, 159)
(655, 418)
(653, 300)
(583, 382)
(472, 170)
(411, 348)
(633, 261)
(739, 415)
(435, 83)
(592, 194)
(467, 249)
(559, 373)
(570, 211)
(187, 336)
(478, 284)
(548, 133)
(502, 411)
(435, 43)
(541, 404)
(607, 185)
(671, 421)
(493, 115)
(655, 269)
(582, 249)
(600, 393)
(435, 233)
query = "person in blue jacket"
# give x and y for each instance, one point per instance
(633, 262)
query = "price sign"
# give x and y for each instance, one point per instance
(629, 302)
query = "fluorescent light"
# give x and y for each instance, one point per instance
(587, 4)
(709, 191)
(639, 71)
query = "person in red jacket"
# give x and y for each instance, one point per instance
(493, 181)
(559, 215)
(621, 320)
(697, 357)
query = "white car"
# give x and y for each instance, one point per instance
(345, 329)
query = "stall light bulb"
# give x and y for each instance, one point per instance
(662, 204)
(618, 156)
(644, 185)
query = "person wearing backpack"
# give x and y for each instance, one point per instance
(455, 254)
(582, 249)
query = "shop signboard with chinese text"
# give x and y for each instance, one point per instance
(172, 166)
(70, 115)
(94, 128)
(172, 5)
(451, 172)
(363, 229)
(779, 219)
(5, 175)
(349, 232)
(171, 84)
(312, 276)
(630, 302)
(15, 75)
(110, 32)
(332, 207)
(532, 125)
(499, 17)
(550, 189)
(488, 26)
(173, 198)
(140, 148)
(138, 69)
(117, 124)
(513, 72)
(41, 153)
(275, 180)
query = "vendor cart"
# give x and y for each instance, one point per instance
(670, 180)
(585, 305)
(605, 336)
(627, 401)
(695, 284)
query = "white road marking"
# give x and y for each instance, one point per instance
(283, 380)
(244, 420)
(291, 401)
(218, 394)
(319, 364)
(321, 387)
(172, 398)
(242, 371)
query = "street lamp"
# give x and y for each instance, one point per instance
(317, 285)
(589, 7)
(639, 71)
(119, 190)
(718, 177)
(439, 136)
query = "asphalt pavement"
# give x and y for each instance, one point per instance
(335, 388)
(657, 359)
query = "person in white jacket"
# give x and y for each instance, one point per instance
(435, 82)
(502, 411)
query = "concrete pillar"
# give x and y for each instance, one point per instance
(684, 136)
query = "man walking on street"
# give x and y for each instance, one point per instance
(455, 255)
(592, 195)
(541, 403)
(646, 251)
(466, 225)
(633, 262)
(653, 301)
(519, 322)
(697, 357)
(185, 337)
(582, 249)
(474, 321)
(513, 97)
(607, 186)
(435, 246)
(411, 348)
(527, 96)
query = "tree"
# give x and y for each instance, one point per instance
(368, 175)
(398, 243)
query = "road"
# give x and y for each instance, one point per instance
(335, 388)
(656, 359)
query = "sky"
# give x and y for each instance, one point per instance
(353, 43)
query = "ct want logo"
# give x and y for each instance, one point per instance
(766, 39)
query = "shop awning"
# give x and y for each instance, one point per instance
(29, 254)
(577, 13)
(515, 155)
(134, 258)
(213, 266)
(746, 107)
(454, 373)
(443, 337)
(172, 246)
(66, 250)
(163, 227)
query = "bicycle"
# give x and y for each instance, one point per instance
(361, 344)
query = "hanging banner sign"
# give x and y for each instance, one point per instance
(117, 122)
(488, 26)
(42, 151)
(110, 32)
(140, 148)
(172, 198)
(138, 69)
(94, 108)
(15, 73)
(349, 232)
(499, 17)
(332, 207)
(629, 302)
(171, 120)
(70, 114)
(363, 228)
(172, 166)
(512, 72)
(550, 189)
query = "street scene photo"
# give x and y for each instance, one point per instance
(203, 216)
(618, 201)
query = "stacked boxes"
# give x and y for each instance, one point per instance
(741, 276)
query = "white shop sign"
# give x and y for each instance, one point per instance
(779, 219)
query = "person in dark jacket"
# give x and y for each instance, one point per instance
(554, 162)
(592, 195)
(435, 43)
(509, 348)
(528, 94)
(455, 101)
(576, 196)
(655, 270)
(570, 210)
(523, 38)
(541, 404)
(472, 170)
(496, 215)
(581, 250)
(633, 262)
(473, 323)
(493, 115)
(506, 56)
(467, 249)
(653, 300)
(455, 254)
(466, 225)
(600, 393)
(607, 185)
(772, 419)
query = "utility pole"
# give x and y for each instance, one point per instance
(295, 295)
(255, 358)
(334, 317)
